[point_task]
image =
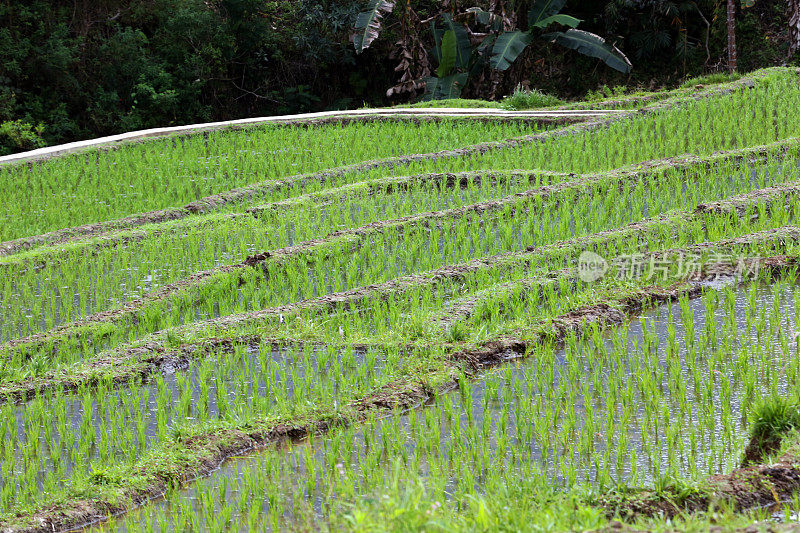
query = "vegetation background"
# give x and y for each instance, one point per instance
(75, 69)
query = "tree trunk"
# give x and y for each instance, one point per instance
(794, 26)
(732, 35)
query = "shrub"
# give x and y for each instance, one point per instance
(18, 136)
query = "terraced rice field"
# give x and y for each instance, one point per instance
(381, 324)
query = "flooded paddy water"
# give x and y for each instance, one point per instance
(664, 397)
(546, 440)
(62, 436)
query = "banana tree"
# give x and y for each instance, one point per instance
(459, 56)
(543, 13)
(368, 23)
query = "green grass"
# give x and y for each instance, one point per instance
(460, 103)
(711, 79)
(522, 99)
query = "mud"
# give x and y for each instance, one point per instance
(389, 185)
(464, 307)
(207, 452)
(739, 204)
(137, 363)
(758, 450)
(745, 488)
(125, 311)
(354, 296)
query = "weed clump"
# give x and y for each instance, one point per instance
(522, 99)
(772, 418)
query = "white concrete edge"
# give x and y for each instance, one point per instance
(72, 147)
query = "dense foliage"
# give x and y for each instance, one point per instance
(91, 68)
(77, 69)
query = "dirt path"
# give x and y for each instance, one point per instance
(581, 110)
(355, 115)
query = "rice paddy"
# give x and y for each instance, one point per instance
(402, 325)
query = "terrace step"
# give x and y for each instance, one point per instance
(442, 112)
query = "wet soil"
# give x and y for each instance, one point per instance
(739, 204)
(745, 488)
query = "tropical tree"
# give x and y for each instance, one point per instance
(732, 35)
(510, 44)
(460, 51)
(732, 53)
(794, 26)
(793, 15)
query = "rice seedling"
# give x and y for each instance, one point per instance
(698, 127)
(70, 437)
